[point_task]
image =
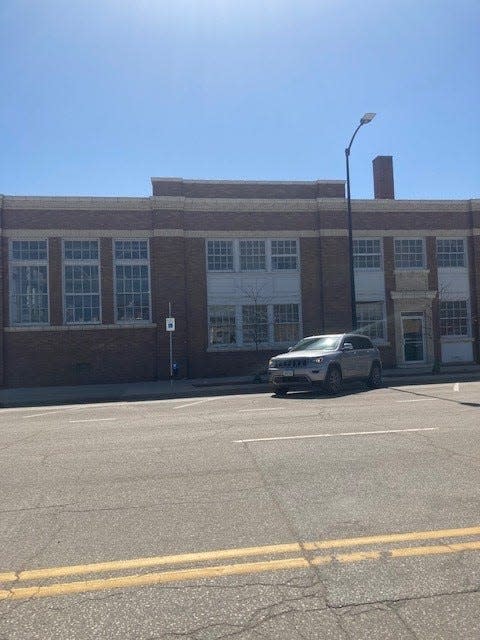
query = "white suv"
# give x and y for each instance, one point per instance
(326, 361)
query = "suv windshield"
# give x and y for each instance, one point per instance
(323, 343)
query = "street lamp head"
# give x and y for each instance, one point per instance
(367, 117)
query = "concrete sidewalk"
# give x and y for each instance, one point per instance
(163, 389)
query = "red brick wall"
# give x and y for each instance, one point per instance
(311, 284)
(168, 286)
(334, 266)
(199, 362)
(41, 358)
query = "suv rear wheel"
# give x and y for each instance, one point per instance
(333, 380)
(374, 380)
(280, 392)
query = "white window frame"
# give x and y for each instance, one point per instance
(253, 241)
(126, 263)
(278, 304)
(272, 255)
(226, 241)
(371, 253)
(383, 321)
(84, 262)
(211, 328)
(468, 320)
(25, 262)
(254, 342)
(235, 244)
(409, 268)
(454, 267)
(240, 344)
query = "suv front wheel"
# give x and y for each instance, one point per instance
(333, 380)
(374, 380)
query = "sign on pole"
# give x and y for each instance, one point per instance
(170, 324)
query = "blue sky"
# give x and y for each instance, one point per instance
(97, 97)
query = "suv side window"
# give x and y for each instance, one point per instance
(365, 343)
(355, 341)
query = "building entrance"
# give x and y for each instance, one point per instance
(413, 330)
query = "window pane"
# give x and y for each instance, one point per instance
(284, 254)
(255, 324)
(366, 253)
(252, 255)
(454, 320)
(409, 253)
(221, 325)
(450, 252)
(29, 295)
(220, 255)
(132, 290)
(80, 249)
(286, 322)
(131, 249)
(29, 250)
(370, 319)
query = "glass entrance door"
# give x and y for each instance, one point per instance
(413, 338)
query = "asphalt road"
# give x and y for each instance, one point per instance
(247, 517)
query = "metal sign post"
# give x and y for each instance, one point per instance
(170, 327)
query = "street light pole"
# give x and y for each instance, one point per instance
(368, 117)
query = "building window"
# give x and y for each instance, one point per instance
(451, 252)
(284, 255)
(286, 325)
(370, 319)
(255, 323)
(220, 255)
(252, 255)
(221, 325)
(367, 253)
(454, 318)
(29, 282)
(132, 281)
(409, 253)
(81, 281)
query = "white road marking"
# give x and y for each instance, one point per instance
(333, 435)
(39, 415)
(192, 404)
(269, 409)
(418, 400)
(93, 420)
(456, 387)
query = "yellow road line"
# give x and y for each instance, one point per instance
(222, 554)
(434, 550)
(84, 586)
(204, 573)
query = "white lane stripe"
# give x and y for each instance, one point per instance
(39, 415)
(418, 400)
(456, 387)
(192, 404)
(333, 435)
(269, 409)
(93, 420)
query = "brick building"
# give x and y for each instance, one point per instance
(248, 267)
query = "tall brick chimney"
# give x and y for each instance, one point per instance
(383, 177)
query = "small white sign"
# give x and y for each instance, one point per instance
(170, 324)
